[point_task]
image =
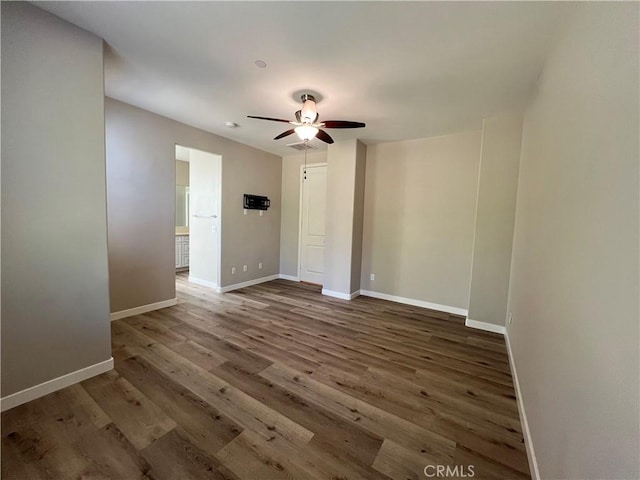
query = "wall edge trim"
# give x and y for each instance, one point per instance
(343, 296)
(487, 327)
(55, 384)
(528, 441)
(203, 283)
(415, 303)
(248, 283)
(143, 309)
(289, 277)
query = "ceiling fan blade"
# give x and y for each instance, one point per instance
(324, 136)
(284, 134)
(268, 118)
(342, 124)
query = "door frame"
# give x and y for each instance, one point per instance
(218, 217)
(300, 212)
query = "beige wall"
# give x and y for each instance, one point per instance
(290, 201)
(346, 160)
(141, 185)
(420, 202)
(358, 216)
(182, 173)
(55, 298)
(496, 207)
(574, 282)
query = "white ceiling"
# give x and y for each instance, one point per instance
(407, 69)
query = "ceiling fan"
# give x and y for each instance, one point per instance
(307, 125)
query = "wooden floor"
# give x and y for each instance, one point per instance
(277, 381)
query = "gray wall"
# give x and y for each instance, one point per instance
(495, 214)
(182, 173)
(574, 282)
(141, 190)
(290, 228)
(358, 215)
(345, 161)
(420, 203)
(55, 299)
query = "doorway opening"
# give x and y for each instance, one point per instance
(198, 215)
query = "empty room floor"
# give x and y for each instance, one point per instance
(277, 381)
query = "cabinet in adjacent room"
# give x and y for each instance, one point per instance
(182, 251)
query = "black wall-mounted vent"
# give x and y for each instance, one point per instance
(255, 202)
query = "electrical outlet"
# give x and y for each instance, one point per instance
(372, 276)
(510, 318)
(244, 268)
(260, 266)
(233, 270)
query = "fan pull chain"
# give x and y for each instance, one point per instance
(305, 159)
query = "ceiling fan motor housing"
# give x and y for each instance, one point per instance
(308, 113)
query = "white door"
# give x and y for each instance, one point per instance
(205, 173)
(314, 206)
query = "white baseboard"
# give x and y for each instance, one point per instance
(415, 303)
(248, 283)
(289, 277)
(53, 385)
(343, 296)
(488, 327)
(143, 309)
(528, 442)
(204, 283)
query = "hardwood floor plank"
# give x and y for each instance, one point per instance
(267, 350)
(206, 427)
(441, 401)
(35, 448)
(507, 452)
(232, 353)
(279, 381)
(468, 385)
(484, 467)
(346, 348)
(13, 466)
(108, 454)
(369, 417)
(196, 353)
(310, 352)
(332, 460)
(240, 407)
(477, 367)
(165, 317)
(252, 457)
(359, 444)
(71, 410)
(399, 463)
(151, 328)
(173, 456)
(135, 415)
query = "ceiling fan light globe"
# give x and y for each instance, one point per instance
(309, 113)
(306, 132)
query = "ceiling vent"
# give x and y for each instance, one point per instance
(300, 146)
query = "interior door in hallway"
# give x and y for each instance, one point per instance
(312, 225)
(205, 180)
